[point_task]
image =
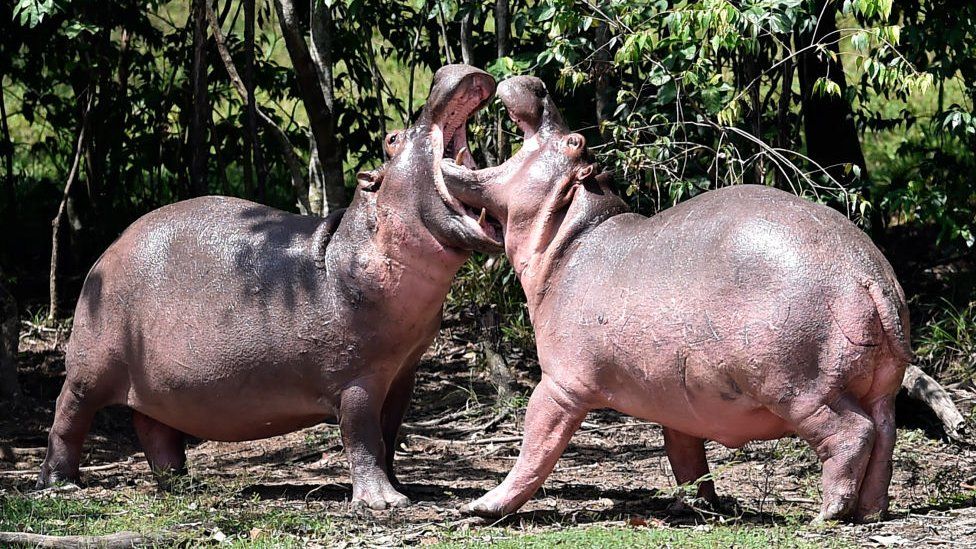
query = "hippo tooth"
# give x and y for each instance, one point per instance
(481, 218)
(458, 159)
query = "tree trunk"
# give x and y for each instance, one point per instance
(377, 80)
(252, 153)
(53, 311)
(467, 21)
(9, 339)
(316, 96)
(602, 73)
(201, 106)
(501, 40)
(784, 133)
(287, 150)
(831, 136)
(8, 157)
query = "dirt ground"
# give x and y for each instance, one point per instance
(458, 442)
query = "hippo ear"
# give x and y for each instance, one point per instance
(583, 173)
(575, 145)
(369, 180)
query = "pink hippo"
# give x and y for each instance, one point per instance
(745, 313)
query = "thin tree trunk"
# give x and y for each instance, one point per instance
(467, 51)
(8, 153)
(251, 141)
(54, 312)
(201, 106)
(501, 27)
(377, 80)
(752, 74)
(9, 337)
(287, 149)
(320, 114)
(501, 41)
(831, 136)
(602, 71)
(785, 137)
(112, 184)
(250, 135)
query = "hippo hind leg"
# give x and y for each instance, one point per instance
(686, 453)
(843, 435)
(873, 499)
(74, 411)
(164, 447)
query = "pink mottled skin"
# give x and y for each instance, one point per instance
(745, 313)
(229, 320)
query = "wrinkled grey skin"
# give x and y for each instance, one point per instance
(745, 313)
(228, 320)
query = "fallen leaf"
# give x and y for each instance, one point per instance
(889, 541)
(637, 521)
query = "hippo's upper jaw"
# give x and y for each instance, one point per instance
(458, 92)
(530, 192)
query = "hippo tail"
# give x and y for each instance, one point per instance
(893, 313)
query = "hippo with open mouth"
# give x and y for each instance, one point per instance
(227, 320)
(745, 313)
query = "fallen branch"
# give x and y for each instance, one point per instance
(110, 541)
(441, 420)
(486, 426)
(923, 388)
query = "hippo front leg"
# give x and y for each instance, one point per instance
(394, 409)
(553, 415)
(362, 436)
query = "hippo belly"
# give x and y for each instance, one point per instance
(249, 402)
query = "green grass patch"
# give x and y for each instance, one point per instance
(196, 517)
(603, 537)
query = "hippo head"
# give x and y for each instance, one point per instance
(531, 193)
(411, 182)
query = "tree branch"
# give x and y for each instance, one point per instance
(287, 149)
(111, 541)
(320, 114)
(53, 311)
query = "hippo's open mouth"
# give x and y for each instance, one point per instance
(449, 137)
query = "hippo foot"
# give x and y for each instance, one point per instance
(484, 507)
(834, 512)
(379, 499)
(58, 487)
(52, 479)
(684, 506)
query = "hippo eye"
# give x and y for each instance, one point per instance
(540, 92)
(392, 138)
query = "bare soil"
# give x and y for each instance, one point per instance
(459, 442)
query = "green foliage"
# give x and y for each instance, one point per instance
(481, 286)
(692, 95)
(946, 346)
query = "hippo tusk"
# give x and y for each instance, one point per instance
(459, 157)
(481, 218)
